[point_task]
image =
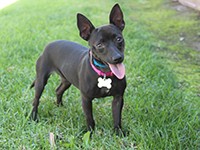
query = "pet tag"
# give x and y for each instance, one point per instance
(103, 82)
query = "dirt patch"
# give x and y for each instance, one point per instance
(195, 4)
(196, 45)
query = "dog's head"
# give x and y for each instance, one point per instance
(106, 42)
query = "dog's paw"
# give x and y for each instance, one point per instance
(33, 116)
(121, 133)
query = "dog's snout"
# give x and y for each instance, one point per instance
(117, 59)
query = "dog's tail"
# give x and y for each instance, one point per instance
(32, 85)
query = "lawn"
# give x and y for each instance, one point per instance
(161, 109)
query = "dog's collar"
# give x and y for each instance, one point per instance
(98, 64)
(101, 73)
(94, 63)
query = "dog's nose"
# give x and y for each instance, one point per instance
(117, 58)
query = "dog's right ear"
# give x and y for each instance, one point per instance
(85, 26)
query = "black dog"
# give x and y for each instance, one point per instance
(96, 72)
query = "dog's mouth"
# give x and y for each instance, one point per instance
(118, 70)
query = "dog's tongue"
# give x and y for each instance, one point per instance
(118, 70)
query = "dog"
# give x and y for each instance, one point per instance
(97, 71)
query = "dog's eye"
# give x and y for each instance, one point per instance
(119, 39)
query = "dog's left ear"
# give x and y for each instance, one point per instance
(116, 17)
(85, 26)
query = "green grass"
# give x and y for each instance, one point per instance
(160, 111)
(167, 26)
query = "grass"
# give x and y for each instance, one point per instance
(160, 112)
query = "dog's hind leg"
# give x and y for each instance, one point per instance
(43, 74)
(64, 85)
(39, 87)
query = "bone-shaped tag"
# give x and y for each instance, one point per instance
(103, 82)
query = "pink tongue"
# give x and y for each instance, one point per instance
(118, 70)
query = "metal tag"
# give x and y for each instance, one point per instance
(103, 82)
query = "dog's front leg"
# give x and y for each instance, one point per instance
(117, 105)
(87, 108)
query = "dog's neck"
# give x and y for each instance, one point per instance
(98, 66)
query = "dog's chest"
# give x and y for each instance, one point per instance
(94, 87)
(109, 88)
(105, 85)
(104, 91)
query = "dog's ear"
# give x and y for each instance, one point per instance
(116, 17)
(85, 26)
